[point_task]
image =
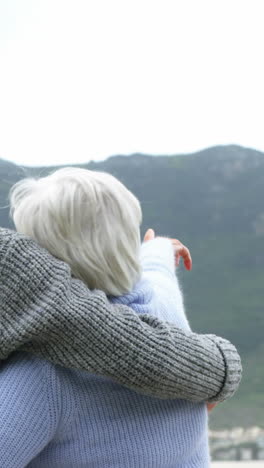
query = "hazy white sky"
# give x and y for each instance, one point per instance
(83, 80)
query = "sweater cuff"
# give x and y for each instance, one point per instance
(158, 253)
(233, 369)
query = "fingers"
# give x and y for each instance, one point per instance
(182, 251)
(150, 235)
(187, 259)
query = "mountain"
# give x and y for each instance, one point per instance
(214, 202)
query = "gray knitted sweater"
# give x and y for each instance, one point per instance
(47, 312)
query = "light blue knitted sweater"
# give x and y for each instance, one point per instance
(55, 417)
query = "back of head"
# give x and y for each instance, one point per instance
(88, 219)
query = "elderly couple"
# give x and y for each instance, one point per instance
(99, 365)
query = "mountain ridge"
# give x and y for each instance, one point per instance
(235, 148)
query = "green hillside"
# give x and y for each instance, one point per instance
(214, 202)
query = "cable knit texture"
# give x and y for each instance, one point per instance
(52, 315)
(54, 417)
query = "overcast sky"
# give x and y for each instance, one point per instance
(82, 80)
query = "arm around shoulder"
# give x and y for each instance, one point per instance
(47, 312)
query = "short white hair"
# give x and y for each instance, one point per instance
(86, 218)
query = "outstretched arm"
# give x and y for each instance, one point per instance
(159, 257)
(47, 312)
(158, 267)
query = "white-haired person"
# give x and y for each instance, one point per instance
(59, 417)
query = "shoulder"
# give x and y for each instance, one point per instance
(28, 382)
(34, 408)
(27, 421)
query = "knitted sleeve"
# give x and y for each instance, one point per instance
(46, 312)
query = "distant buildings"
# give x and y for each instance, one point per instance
(237, 444)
